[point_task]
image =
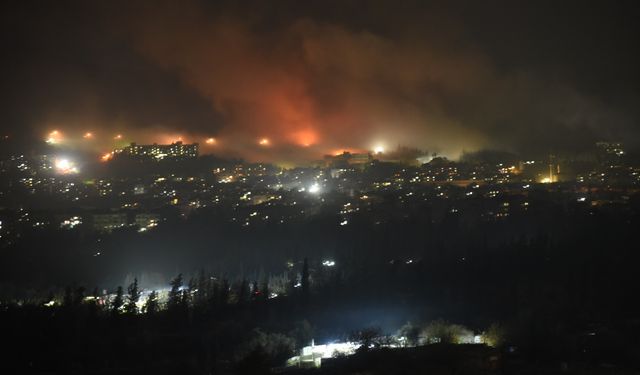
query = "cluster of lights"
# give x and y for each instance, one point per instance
(71, 222)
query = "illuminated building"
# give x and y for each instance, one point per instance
(177, 150)
(109, 222)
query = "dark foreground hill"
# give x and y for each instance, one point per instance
(441, 359)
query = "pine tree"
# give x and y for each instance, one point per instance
(224, 293)
(185, 300)
(243, 292)
(175, 294)
(151, 307)
(305, 278)
(265, 290)
(118, 301)
(93, 302)
(292, 281)
(78, 297)
(202, 290)
(132, 297)
(189, 293)
(214, 294)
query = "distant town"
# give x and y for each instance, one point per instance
(51, 191)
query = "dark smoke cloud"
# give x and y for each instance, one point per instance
(316, 77)
(67, 68)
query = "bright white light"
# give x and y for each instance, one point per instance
(65, 166)
(328, 263)
(314, 189)
(378, 149)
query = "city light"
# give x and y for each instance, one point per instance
(65, 166)
(71, 223)
(314, 189)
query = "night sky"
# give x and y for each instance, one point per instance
(315, 77)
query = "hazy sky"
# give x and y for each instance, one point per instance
(319, 76)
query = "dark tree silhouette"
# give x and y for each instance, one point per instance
(304, 282)
(151, 306)
(367, 338)
(118, 301)
(93, 302)
(175, 294)
(224, 292)
(132, 298)
(255, 291)
(67, 300)
(202, 290)
(78, 296)
(265, 290)
(243, 292)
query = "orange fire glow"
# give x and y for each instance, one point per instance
(264, 142)
(305, 137)
(106, 157)
(54, 137)
(341, 151)
(88, 135)
(210, 141)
